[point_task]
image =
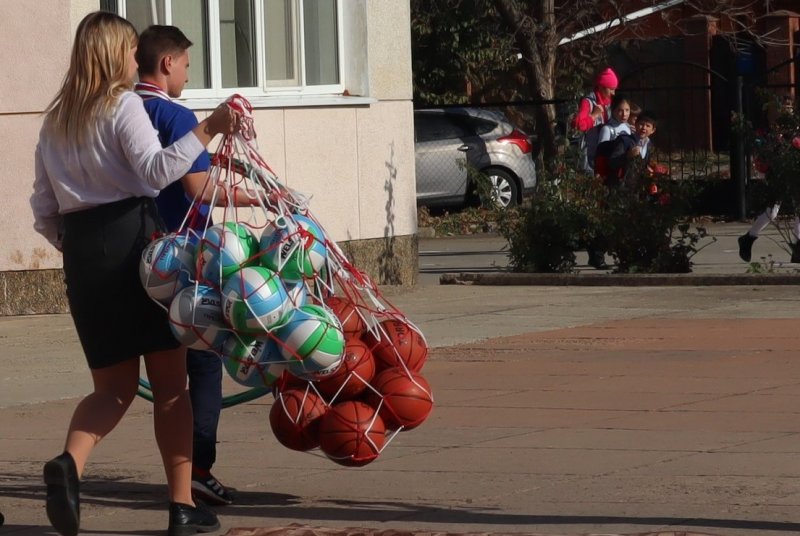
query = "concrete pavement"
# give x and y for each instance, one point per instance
(486, 256)
(559, 410)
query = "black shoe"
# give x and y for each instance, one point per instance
(63, 494)
(185, 520)
(746, 246)
(2, 520)
(795, 252)
(210, 490)
(597, 259)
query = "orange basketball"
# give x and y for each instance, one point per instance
(295, 418)
(407, 398)
(351, 433)
(345, 311)
(287, 380)
(353, 375)
(397, 341)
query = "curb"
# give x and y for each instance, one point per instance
(613, 280)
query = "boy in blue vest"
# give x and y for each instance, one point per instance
(163, 59)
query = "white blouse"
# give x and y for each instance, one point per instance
(121, 158)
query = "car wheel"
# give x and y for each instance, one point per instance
(505, 191)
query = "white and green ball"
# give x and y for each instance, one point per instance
(167, 267)
(294, 247)
(252, 361)
(254, 300)
(195, 316)
(224, 249)
(312, 342)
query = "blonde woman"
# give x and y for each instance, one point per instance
(99, 164)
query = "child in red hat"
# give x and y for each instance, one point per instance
(593, 112)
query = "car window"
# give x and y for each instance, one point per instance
(480, 126)
(429, 127)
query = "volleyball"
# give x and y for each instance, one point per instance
(224, 249)
(254, 300)
(195, 316)
(298, 294)
(312, 342)
(252, 361)
(167, 266)
(294, 247)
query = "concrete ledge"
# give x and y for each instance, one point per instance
(610, 280)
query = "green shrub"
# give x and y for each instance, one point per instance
(640, 224)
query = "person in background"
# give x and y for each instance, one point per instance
(163, 58)
(771, 212)
(98, 167)
(618, 123)
(630, 148)
(634, 115)
(593, 112)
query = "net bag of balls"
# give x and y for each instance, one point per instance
(258, 281)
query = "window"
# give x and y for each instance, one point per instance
(255, 47)
(436, 127)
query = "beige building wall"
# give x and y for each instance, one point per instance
(355, 161)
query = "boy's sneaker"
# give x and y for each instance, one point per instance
(795, 252)
(746, 246)
(208, 489)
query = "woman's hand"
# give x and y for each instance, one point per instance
(223, 120)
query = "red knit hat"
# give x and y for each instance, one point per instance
(607, 78)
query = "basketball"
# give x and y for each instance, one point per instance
(252, 361)
(223, 250)
(394, 343)
(346, 312)
(294, 247)
(295, 418)
(167, 267)
(311, 342)
(352, 433)
(254, 300)
(287, 380)
(195, 316)
(351, 377)
(407, 398)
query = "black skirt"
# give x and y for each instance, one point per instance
(114, 317)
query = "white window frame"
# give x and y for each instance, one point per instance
(263, 95)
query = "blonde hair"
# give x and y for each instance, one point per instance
(99, 72)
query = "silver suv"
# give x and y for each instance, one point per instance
(450, 141)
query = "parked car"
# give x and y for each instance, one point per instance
(448, 142)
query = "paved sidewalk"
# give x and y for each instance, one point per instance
(484, 258)
(559, 411)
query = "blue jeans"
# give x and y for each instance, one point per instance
(205, 390)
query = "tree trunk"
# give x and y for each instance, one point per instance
(536, 37)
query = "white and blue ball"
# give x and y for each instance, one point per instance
(254, 300)
(167, 267)
(224, 249)
(312, 342)
(195, 317)
(294, 247)
(252, 361)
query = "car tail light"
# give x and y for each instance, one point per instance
(519, 139)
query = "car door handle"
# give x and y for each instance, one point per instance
(464, 148)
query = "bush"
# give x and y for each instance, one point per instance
(640, 224)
